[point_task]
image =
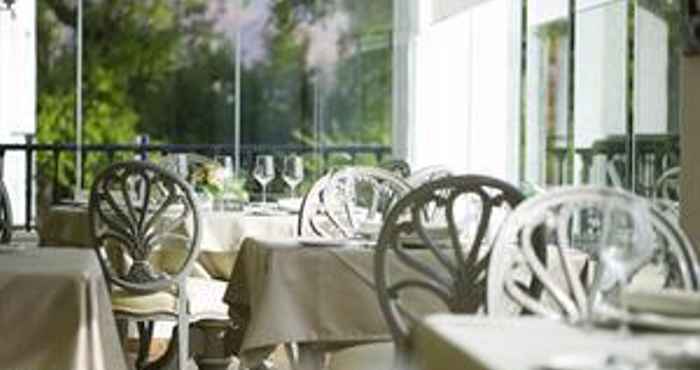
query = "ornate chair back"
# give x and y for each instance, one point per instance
(441, 260)
(397, 166)
(6, 220)
(137, 209)
(667, 191)
(428, 174)
(344, 202)
(569, 252)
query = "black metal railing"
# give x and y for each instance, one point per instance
(640, 167)
(52, 156)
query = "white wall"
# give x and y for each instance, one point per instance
(651, 71)
(17, 92)
(464, 90)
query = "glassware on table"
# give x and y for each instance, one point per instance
(626, 244)
(293, 172)
(264, 172)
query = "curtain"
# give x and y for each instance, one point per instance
(17, 93)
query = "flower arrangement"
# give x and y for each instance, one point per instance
(234, 188)
(208, 177)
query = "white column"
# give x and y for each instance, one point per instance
(464, 90)
(403, 90)
(17, 93)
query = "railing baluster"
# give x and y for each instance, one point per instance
(54, 177)
(29, 179)
(114, 152)
(2, 164)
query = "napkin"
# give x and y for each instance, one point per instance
(669, 302)
(290, 204)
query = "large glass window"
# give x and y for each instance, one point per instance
(616, 121)
(547, 92)
(269, 75)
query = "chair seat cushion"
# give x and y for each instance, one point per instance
(143, 304)
(207, 298)
(375, 356)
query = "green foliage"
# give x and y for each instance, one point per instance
(167, 68)
(107, 119)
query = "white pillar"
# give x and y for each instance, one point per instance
(17, 93)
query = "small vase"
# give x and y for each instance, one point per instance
(205, 200)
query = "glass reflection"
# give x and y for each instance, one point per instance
(547, 93)
(656, 100)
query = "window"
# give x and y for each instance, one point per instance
(270, 75)
(616, 121)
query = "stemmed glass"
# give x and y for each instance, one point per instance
(293, 172)
(264, 172)
(626, 245)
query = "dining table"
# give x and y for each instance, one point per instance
(221, 231)
(320, 295)
(55, 311)
(468, 342)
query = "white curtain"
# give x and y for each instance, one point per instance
(17, 92)
(446, 8)
(405, 31)
(462, 89)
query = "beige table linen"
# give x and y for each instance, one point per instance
(221, 233)
(55, 312)
(283, 292)
(462, 342)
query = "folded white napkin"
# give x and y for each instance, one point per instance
(290, 204)
(670, 302)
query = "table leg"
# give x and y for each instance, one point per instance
(310, 357)
(212, 353)
(207, 348)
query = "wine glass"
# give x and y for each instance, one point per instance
(625, 247)
(293, 172)
(264, 172)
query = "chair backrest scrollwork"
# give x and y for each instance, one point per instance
(428, 174)
(6, 220)
(600, 240)
(442, 257)
(343, 201)
(667, 191)
(138, 209)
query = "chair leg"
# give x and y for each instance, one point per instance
(291, 348)
(145, 335)
(183, 339)
(123, 331)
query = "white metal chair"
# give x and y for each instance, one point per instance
(618, 239)
(397, 166)
(448, 261)
(137, 209)
(428, 174)
(6, 220)
(667, 192)
(342, 202)
(9, 234)
(184, 163)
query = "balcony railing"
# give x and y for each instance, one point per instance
(653, 154)
(54, 154)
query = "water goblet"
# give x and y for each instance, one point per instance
(293, 172)
(264, 172)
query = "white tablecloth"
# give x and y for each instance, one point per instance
(55, 312)
(451, 342)
(283, 292)
(222, 233)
